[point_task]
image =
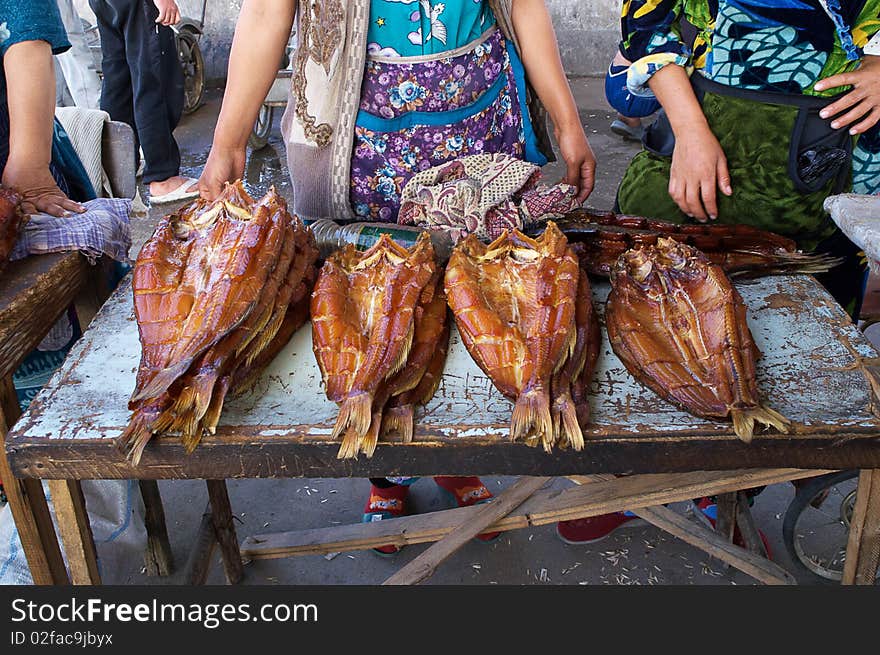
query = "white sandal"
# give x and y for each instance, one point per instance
(180, 193)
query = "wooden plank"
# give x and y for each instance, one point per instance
(549, 506)
(748, 528)
(30, 512)
(158, 558)
(863, 548)
(759, 567)
(224, 529)
(199, 563)
(278, 457)
(33, 294)
(76, 531)
(423, 566)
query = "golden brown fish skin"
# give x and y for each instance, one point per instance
(514, 304)
(679, 327)
(362, 326)
(566, 425)
(11, 220)
(227, 277)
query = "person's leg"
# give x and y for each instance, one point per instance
(466, 491)
(78, 65)
(116, 90)
(157, 86)
(387, 500)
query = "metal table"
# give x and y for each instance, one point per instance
(815, 370)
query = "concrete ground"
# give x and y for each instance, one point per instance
(636, 555)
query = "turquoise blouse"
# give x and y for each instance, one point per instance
(412, 28)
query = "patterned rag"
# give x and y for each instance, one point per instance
(484, 195)
(102, 230)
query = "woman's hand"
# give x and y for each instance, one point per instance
(863, 101)
(169, 12)
(699, 167)
(39, 192)
(579, 160)
(223, 165)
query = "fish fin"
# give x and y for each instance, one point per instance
(163, 380)
(371, 438)
(354, 422)
(404, 352)
(566, 428)
(744, 421)
(399, 420)
(266, 335)
(531, 418)
(135, 437)
(215, 409)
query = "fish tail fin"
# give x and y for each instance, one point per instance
(215, 408)
(354, 422)
(566, 428)
(371, 438)
(744, 421)
(135, 437)
(531, 418)
(399, 420)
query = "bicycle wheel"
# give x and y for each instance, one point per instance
(816, 525)
(259, 136)
(193, 70)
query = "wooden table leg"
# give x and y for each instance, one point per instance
(224, 529)
(158, 558)
(28, 504)
(76, 531)
(747, 527)
(863, 548)
(199, 564)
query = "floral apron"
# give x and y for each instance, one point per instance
(418, 112)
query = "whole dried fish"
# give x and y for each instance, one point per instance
(363, 315)
(514, 305)
(679, 327)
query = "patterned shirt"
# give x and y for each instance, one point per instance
(407, 28)
(781, 45)
(769, 45)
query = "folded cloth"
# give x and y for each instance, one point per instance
(858, 217)
(483, 194)
(85, 128)
(102, 230)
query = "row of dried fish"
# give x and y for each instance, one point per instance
(218, 289)
(11, 220)
(740, 250)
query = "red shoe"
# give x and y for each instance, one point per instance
(594, 528)
(389, 503)
(466, 492)
(707, 511)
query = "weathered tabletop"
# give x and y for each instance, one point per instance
(812, 371)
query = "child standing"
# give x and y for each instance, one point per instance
(383, 89)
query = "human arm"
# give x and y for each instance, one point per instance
(169, 12)
(30, 81)
(861, 103)
(261, 35)
(540, 56)
(699, 165)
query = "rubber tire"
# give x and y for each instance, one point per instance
(799, 503)
(193, 99)
(259, 136)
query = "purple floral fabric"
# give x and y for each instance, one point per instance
(382, 162)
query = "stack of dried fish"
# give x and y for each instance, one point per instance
(524, 310)
(679, 327)
(379, 333)
(10, 222)
(741, 250)
(218, 290)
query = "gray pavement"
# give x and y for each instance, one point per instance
(635, 555)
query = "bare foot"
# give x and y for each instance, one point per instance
(169, 185)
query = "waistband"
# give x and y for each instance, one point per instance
(418, 59)
(703, 83)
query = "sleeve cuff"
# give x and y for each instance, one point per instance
(641, 71)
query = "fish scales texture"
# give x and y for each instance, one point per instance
(514, 304)
(233, 254)
(679, 326)
(363, 316)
